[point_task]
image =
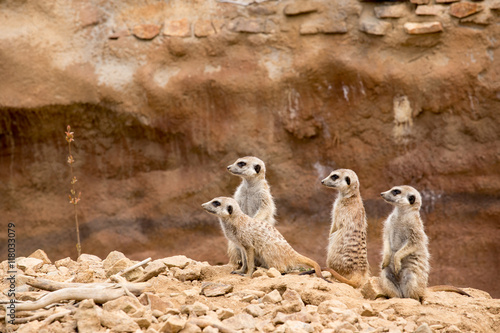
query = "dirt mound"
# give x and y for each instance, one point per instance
(178, 294)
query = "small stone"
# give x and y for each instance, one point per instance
(375, 27)
(204, 28)
(452, 329)
(177, 28)
(433, 10)
(420, 2)
(464, 9)
(118, 321)
(224, 313)
(40, 254)
(391, 11)
(410, 326)
(294, 326)
(280, 318)
(273, 297)
(87, 318)
(177, 261)
(88, 257)
(273, 273)
(258, 273)
(446, 1)
(155, 302)
(301, 7)
(111, 259)
(142, 322)
(173, 325)
(255, 310)
(126, 304)
(30, 263)
(66, 262)
(253, 26)
(342, 326)
(146, 31)
(190, 273)
(200, 309)
(483, 18)
(190, 328)
(367, 310)
(327, 306)
(152, 270)
(293, 296)
(191, 293)
(211, 289)
(326, 27)
(371, 289)
(422, 28)
(240, 322)
(424, 328)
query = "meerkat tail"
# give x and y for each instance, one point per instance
(336, 275)
(309, 262)
(449, 289)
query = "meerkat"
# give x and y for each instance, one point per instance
(253, 196)
(405, 256)
(256, 238)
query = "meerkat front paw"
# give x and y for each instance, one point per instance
(397, 266)
(386, 262)
(239, 272)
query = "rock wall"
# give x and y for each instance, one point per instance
(163, 95)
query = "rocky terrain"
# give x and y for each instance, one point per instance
(163, 95)
(184, 295)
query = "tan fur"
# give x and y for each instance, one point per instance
(346, 252)
(256, 238)
(253, 196)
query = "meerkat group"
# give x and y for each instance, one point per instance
(248, 220)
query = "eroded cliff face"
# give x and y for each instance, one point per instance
(163, 95)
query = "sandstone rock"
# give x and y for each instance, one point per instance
(155, 302)
(240, 322)
(371, 289)
(432, 10)
(327, 306)
(210, 329)
(420, 2)
(88, 257)
(146, 31)
(211, 289)
(177, 28)
(200, 309)
(255, 310)
(153, 269)
(342, 326)
(224, 313)
(446, 1)
(424, 328)
(190, 328)
(464, 9)
(483, 18)
(30, 327)
(191, 272)
(173, 325)
(391, 11)
(246, 25)
(87, 317)
(375, 27)
(323, 26)
(127, 304)
(292, 326)
(30, 263)
(204, 28)
(273, 272)
(111, 259)
(40, 254)
(177, 261)
(259, 272)
(273, 297)
(301, 7)
(84, 276)
(143, 322)
(422, 28)
(118, 321)
(66, 262)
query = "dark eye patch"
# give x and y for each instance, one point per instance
(411, 199)
(334, 177)
(230, 209)
(241, 164)
(395, 192)
(348, 180)
(257, 168)
(215, 203)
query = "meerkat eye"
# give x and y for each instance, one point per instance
(395, 192)
(411, 199)
(241, 164)
(257, 168)
(215, 203)
(230, 209)
(348, 180)
(334, 177)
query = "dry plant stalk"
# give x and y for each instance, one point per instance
(73, 199)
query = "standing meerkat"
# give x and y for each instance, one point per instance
(256, 238)
(405, 256)
(253, 196)
(346, 252)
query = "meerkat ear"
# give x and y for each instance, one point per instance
(257, 168)
(411, 199)
(230, 209)
(348, 180)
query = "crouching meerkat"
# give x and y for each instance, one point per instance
(405, 257)
(253, 196)
(256, 238)
(346, 252)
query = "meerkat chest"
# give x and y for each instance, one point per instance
(399, 234)
(249, 200)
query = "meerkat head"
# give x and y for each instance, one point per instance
(248, 167)
(403, 196)
(223, 207)
(344, 180)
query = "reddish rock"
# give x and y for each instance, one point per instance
(422, 28)
(301, 7)
(432, 10)
(253, 26)
(177, 28)
(375, 27)
(146, 31)
(464, 9)
(203, 28)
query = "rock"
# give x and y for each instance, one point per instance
(155, 302)
(127, 304)
(273, 272)
(464, 9)
(153, 269)
(200, 309)
(87, 317)
(191, 272)
(432, 10)
(111, 259)
(66, 262)
(224, 313)
(371, 289)
(292, 295)
(391, 11)
(204, 28)
(88, 257)
(173, 325)
(326, 306)
(424, 328)
(177, 261)
(375, 27)
(273, 297)
(210, 329)
(30, 327)
(40, 254)
(118, 321)
(420, 2)
(123, 264)
(146, 31)
(301, 7)
(293, 326)
(422, 28)
(177, 28)
(30, 263)
(190, 328)
(446, 1)
(259, 272)
(240, 322)
(326, 27)
(143, 322)
(342, 326)
(246, 25)
(367, 310)
(483, 18)
(211, 289)
(255, 310)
